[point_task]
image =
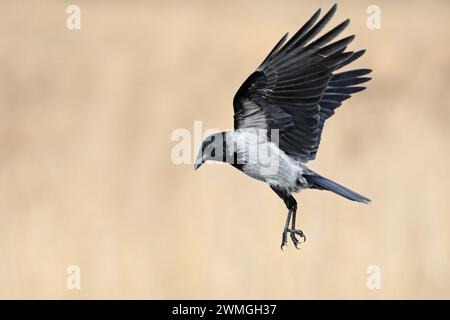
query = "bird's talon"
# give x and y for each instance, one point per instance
(284, 240)
(294, 239)
(300, 233)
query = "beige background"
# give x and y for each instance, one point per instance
(86, 176)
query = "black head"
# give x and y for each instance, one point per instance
(213, 148)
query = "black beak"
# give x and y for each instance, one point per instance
(199, 161)
(197, 165)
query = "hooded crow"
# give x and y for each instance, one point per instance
(280, 111)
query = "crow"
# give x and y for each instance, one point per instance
(280, 112)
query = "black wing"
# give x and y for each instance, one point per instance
(295, 89)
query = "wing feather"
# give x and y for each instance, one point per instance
(295, 89)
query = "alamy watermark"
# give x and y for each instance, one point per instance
(374, 19)
(73, 281)
(73, 21)
(374, 278)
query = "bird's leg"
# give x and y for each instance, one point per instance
(294, 231)
(291, 204)
(286, 230)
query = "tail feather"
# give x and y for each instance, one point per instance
(323, 183)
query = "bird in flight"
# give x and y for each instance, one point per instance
(280, 112)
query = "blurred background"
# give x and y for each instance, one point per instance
(86, 176)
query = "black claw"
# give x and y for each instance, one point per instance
(283, 239)
(301, 234)
(294, 239)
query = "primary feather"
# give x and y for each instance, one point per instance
(296, 88)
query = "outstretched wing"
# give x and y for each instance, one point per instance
(296, 88)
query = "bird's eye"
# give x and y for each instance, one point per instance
(213, 153)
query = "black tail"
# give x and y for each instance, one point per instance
(323, 183)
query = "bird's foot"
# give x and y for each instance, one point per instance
(294, 239)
